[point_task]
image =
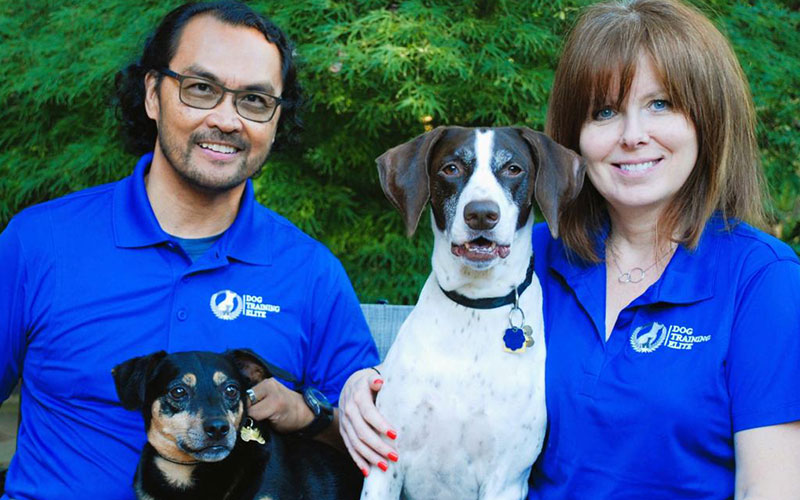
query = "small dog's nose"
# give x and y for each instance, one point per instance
(481, 215)
(216, 429)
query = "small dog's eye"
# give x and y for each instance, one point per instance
(177, 393)
(513, 169)
(232, 391)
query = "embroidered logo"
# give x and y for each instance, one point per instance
(229, 305)
(683, 338)
(648, 338)
(226, 305)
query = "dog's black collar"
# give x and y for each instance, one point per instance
(159, 455)
(492, 302)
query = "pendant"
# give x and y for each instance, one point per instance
(251, 433)
(635, 275)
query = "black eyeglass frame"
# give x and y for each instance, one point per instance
(236, 93)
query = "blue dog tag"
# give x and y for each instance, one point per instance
(514, 340)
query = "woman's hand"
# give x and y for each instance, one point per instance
(361, 425)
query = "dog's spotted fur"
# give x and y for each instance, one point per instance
(470, 416)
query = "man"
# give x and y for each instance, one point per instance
(179, 256)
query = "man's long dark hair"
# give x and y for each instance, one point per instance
(138, 130)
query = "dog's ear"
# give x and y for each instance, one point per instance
(254, 368)
(131, 378)
(403, 173)
(559, 175)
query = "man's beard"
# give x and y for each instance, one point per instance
(182, 164)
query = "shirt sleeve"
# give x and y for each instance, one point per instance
(12, 305)
(340, 340)
(764, 354)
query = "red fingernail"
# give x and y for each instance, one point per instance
(393, 457)
(382, 466)
(365, 471)
(391, 434)
(378, 381)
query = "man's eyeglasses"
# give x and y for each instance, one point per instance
(201, 93)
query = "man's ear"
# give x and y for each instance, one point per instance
(131, 378)
(403, 173)
(559, 175)
(152, 105)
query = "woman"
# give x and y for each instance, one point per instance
(673, 325)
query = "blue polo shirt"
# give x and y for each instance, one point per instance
(710, 349)
(91, 280)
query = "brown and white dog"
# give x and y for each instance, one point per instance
(464, 379)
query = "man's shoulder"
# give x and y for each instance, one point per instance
(285, 234)
(68, 209)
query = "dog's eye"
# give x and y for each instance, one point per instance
(231, 391)
(513, 169)
(450, 169)
(177, 393)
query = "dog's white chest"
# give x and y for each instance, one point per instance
(470, 416)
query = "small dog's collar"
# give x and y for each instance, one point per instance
(159, 455)
(492, 302)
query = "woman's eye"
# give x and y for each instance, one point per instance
(177, 393)
(604, 113)
(660, 105)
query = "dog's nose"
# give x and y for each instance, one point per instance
(216, 429)
(481, 215)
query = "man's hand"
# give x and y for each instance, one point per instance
(286, 411)
(283, 408)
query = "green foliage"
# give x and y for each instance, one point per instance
(377, 73)
(773, 68)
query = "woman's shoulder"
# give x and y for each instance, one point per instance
(740, 238)
(745, 252)
(541, 231)
(543, 240)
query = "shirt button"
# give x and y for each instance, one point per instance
(182, 314)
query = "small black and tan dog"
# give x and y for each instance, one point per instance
(201, 444)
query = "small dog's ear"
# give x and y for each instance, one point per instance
(403, 173)
(131, 378)
(254, 368)
(559, 175)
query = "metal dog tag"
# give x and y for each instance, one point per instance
(250, 433)
(528, 332)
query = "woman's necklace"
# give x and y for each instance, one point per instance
(635, 274)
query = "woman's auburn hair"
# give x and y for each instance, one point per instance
(702, 79)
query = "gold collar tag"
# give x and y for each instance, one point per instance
(251, 433)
